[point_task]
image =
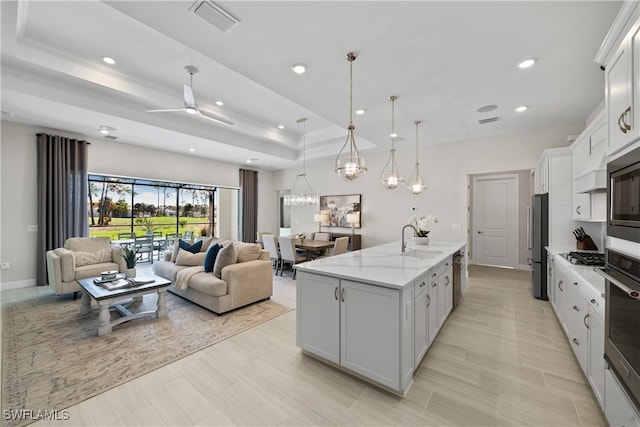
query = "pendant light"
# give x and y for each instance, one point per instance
(390, 178)
(302, 198)
(349, 163)
(416, 183)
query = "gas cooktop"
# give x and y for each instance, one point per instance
(585, 258)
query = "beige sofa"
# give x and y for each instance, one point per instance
(80, 258)
(249, 280)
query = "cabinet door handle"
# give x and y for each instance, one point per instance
(447, 281)
(575, 283)
(585, 321)
(624, 118)
(594, 302)
(342, 295)
(335, 293)
(578, 210)
(575, 341)
(435, 285)
(621, 126)
(560, 285)
(423, 284)
(428, 301)
(575, 307)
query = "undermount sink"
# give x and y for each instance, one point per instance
(421, 254)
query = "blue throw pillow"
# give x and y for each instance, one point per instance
(194, 249)
(210, 257)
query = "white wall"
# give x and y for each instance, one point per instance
(445, 168)
(19, 188)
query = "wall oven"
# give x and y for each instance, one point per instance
(622, 320)
(623, 191)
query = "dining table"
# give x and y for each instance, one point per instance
(313, 248)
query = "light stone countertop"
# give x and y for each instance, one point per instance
(584, 271)
(384, 265)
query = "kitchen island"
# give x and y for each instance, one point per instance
(375, 312)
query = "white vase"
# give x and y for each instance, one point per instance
(417, 240)
(130, 273)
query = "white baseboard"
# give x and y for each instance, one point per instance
(523, 267)
(17, 284)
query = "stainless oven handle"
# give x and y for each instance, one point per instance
(632, 294)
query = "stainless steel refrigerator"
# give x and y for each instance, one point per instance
(538, 239)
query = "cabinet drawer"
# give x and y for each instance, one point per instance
(562, 266)
(591, 286)
(420, 285)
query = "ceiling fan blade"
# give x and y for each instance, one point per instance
(188, 95)
(215, 118)
(166, 110)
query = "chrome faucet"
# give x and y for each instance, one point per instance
(404, 245)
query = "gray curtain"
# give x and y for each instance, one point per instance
(62, 194)
(248, 205)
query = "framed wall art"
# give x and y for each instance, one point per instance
(340, 210)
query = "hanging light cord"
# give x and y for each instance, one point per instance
(417, 123)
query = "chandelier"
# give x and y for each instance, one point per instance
(349, 163)
(391, 178)
(416, 183)
(302, 198)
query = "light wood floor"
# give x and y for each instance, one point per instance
(501, 360)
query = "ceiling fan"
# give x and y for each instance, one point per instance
(190, 105)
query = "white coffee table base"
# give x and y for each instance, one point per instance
(105, 324)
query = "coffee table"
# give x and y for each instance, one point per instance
(120, 299)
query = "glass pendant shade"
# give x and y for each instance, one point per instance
(390, 178)
(302, 198)
(416, 182)
(349, 163)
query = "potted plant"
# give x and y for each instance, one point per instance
(129, 255)
(421, 224)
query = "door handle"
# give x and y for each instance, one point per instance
(335, 293)
(578, 210)
(585, 321)
(429, 301)
(342, 295)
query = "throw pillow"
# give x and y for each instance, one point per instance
(206, 242)
(247, 251)
(189, 259)
(89, 258)
(210, 257)
(226, 256)
(182, 244)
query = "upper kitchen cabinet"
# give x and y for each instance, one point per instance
(589, 169)
(620, 55)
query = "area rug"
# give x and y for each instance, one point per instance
(53, 358)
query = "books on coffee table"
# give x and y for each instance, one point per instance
(124, 283)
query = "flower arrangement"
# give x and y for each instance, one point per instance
(422, 224)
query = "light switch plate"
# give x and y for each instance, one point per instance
(4, 266)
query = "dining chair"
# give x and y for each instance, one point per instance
(123, 236)
(159, 243)
(288, 253)
(340, 246)
(188, 235)
(144, 245)
(325, 237)
(271, 244)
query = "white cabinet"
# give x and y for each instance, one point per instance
(370, 331)
(554, 177)
(422, 304)
(433, 303)
(620, 54)
(617, 408)
(357, 326)
(577, 316)
(596, 369)
(582, 207)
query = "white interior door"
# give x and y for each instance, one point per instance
(495, 220)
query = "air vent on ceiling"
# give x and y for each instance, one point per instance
(111, 137)
(215, 15)
(489, 120)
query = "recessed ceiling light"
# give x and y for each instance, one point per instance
(280, 126)
(522, 108)
(252, 160)
(299, 68)
(219, 103)
(526, 63)
(360, 112)
(106, 129)
(108, 60)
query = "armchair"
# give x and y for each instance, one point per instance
(80, 258)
